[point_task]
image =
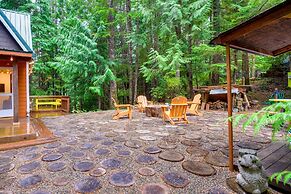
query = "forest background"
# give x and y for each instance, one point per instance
(97, 49)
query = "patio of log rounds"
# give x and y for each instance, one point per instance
(145, 154)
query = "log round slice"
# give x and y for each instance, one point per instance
(171, 139)
(175, 179)
(119, 139)
(5, 160)
(88, 185)
(153, 188)
(98, 172)
(29, 167)
(51, 157)
(249, 145)
(124, 153)
(6, 168)
(146, 171)
(87, 146)
(171, 156)
(232, 184)
(166, 145)
(111, 163)
(217, 190)
(193, 136)
(259, 139)
(220, 144)
(107, 143)
(83, 166)
(64, 149)
(56, 166)
(122, 179)
(77, 154)
(31, 156)
(209, 147)
(134, 144)
(217, 159)
(188, 142)
(40, 192)
(178, 132)
(163, 134)
(120, 131)
(52, 145)
(148, 138)
(102, 151)
(145, 159)
(226, 152)
(141, 131)
(30, 181)
(199, 168)
(61, 181)
(196, 151)
(152, 150)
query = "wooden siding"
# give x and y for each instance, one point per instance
(22, 89)
(7, 42)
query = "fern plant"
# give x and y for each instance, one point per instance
(279, 116)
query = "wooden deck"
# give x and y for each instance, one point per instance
(275, 158)
(31, 126)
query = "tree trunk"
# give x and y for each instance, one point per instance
(136, 72)
(111, 49)
(234, 77)
(245, 68)
(189, 66)
(216, 28)
(130, 60)
(253, 57)
(178, 30)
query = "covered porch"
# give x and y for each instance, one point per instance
(17, 128)
(265, 34)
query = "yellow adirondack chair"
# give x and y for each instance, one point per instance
(142, 102)
(194, 105)
(122, 110)
(177, 113)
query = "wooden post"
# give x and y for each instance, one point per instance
(229, 108)
(15, 93)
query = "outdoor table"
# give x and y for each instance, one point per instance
(154, 110)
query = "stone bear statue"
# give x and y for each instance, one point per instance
(251, 177)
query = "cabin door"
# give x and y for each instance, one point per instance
(6, 95)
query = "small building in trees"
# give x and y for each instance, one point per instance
(15, 59)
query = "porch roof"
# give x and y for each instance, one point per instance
(267, 33)
(17, 29)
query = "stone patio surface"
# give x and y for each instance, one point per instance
(145, 155)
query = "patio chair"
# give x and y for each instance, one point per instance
(177, 112)
(122, 110)
(142, 102)
(194, 105)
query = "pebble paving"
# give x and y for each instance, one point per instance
(144, 155)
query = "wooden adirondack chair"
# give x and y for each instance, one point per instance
(194, 105)
(142, 102)
(177, 113)
(122, 110)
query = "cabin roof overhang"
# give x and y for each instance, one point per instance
(266, 34)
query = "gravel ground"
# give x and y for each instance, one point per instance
(81, 135)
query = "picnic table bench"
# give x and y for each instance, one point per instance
(48, 102)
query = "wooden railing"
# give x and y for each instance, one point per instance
(50, 103)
